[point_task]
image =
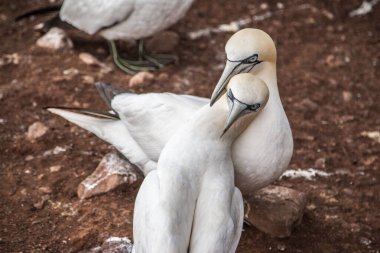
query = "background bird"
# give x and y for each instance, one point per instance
(190, 203)
(151, 119)
(121, 20)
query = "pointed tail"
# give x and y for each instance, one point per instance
(108, 127)
(101, 124)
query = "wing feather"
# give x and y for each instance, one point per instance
(92, 16)
(154, 117)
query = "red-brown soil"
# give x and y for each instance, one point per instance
(322, 52)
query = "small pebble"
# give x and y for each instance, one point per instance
(375, 135)
(23, 191)
(347, 96)
(348, 191)
(36, 130)
(311, 207)
(89, 59)
(280, 5)
(365, 241)
(141, 78)
(45, 189)
(88, 79)
(3, 18)
(320, 163)
(55, 168)
(6, 59)
(264, 6)
(40, 204)
(70, 73)
(355, 227)
(29, 158)
(281, 247)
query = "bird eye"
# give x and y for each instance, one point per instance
(251, 59)
(254, 107)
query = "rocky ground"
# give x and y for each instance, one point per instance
(328, 72)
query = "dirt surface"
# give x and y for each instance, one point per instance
(328, 72)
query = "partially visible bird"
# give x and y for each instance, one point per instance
(145, 122)
(190, 203)
(123, 20)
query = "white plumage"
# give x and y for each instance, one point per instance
(260, 154)
(190, 203)
(123, 19)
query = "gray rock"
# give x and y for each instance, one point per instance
(55, 39)
(276, 210)
(111, 172)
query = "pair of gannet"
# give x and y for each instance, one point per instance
(190, 203)
(123, 20)
(144, 123)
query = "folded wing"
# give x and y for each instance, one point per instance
(92, 16)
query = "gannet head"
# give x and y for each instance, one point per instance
(247, 94)
(245, 49)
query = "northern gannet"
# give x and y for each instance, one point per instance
(190, 203)
(123, 20)
(146, 122)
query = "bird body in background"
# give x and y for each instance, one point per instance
(122, 20)
(190, 203)
(147, 121)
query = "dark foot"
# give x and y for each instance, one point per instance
(129, 66)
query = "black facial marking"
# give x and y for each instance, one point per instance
(253, 59)
(254, 107)
(250, 61)
(231, 95)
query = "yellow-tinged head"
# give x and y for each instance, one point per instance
(246, 95)
(246, 49)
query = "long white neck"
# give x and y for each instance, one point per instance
(267, 72)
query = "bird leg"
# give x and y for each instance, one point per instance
(145, 62)
(159, 60)
(129, 66)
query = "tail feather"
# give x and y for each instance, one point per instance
(100, 126)
(109, 128)
(89, 112)
(39, 11)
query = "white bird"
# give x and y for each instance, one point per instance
(147, 121)
(190, 203)
(122, 20)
